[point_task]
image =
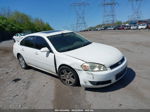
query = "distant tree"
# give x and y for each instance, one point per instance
(17, 22)
(118, 23)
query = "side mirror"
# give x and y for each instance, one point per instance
(44, 49)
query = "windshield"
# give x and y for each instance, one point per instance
(68, 41)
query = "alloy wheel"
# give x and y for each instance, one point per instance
(67, 77)
(22, 62)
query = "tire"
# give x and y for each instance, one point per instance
(22, 62)
(68, 76)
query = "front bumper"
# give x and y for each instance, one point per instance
(102, 79)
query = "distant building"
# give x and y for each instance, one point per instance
(146, 21)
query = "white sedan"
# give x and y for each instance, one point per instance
(142, 26)
(71, 57)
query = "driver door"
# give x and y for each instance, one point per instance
(44, 60)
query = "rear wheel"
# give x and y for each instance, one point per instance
(22, 62)
(68, 76)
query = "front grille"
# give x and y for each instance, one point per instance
(100, 82)
(121, 73)
(117, 64)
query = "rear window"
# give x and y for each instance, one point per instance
(28, 42)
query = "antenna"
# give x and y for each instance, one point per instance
(136, 9)
(109, 16)
(80, 15)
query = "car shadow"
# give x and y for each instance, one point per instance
(125, 81)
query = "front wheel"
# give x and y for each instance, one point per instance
(22, 62)
(68, 76)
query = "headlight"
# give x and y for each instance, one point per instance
(93, 67)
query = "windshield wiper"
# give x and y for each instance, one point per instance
(87, 43)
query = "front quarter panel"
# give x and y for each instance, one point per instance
(74, 63)
(62, 59)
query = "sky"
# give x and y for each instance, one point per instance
(61, 15)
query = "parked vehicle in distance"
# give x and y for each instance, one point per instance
(101, 28)
(18, 36)
(110, 27)
(121, 27)
(134, 27)
(127, 27)
(148, 26)
(142, 26)
(71, 57)
(116, 27)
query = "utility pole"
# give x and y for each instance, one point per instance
(80, 15)
(109, 14)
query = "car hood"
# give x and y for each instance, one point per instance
(96, 53)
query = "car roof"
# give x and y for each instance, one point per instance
(49, 33)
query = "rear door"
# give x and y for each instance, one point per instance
(27, 49)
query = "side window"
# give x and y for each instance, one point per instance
(40, 43)
(28, 42)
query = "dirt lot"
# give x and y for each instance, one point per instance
(35, 89)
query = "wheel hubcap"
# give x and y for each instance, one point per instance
(67, 77)
(21, 61)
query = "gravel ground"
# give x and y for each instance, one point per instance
(34, 89)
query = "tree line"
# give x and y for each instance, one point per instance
(12, 22)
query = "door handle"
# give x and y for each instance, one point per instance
(22, 49)
(36, 53)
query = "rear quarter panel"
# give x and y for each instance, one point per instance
(16, 49)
